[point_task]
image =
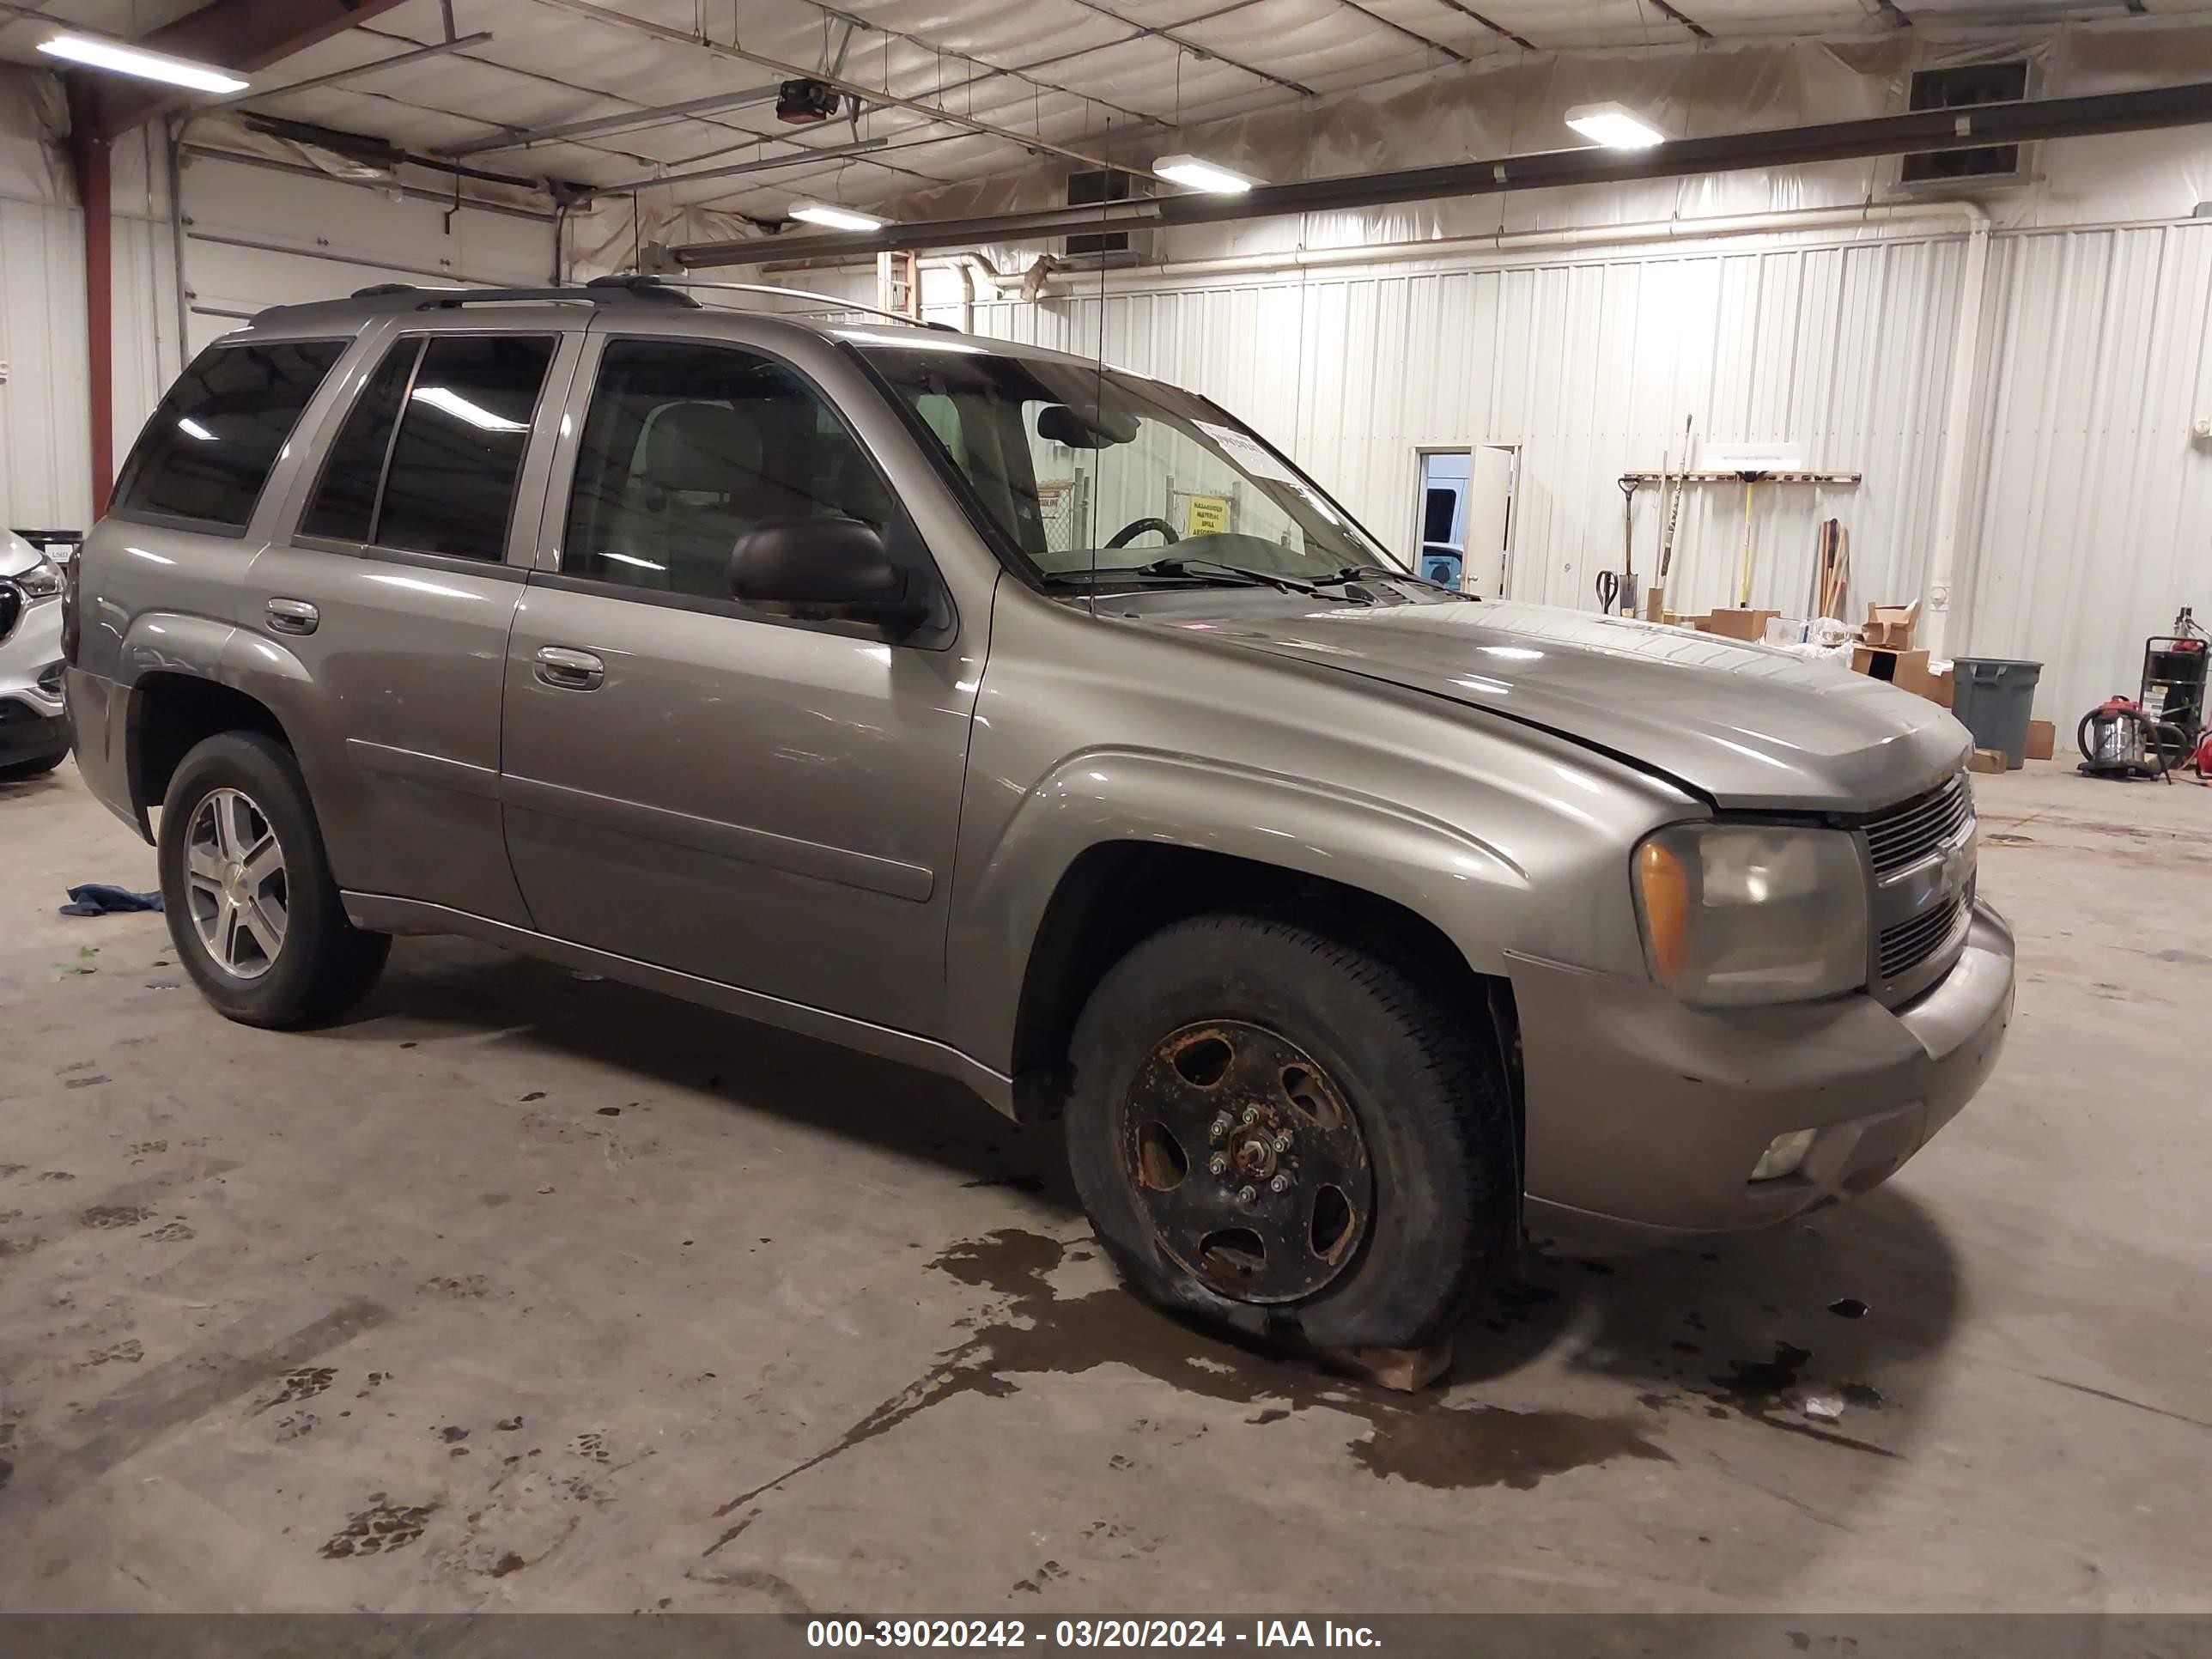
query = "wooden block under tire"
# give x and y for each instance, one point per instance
(1407, 1371)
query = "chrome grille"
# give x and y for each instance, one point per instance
(11, 607)
(1907, 945)
(1907, 833)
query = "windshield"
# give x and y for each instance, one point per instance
(1085, 468)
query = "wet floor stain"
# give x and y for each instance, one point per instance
(1417, 1438)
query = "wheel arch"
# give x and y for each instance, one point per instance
(1115, 845)
(173, 710)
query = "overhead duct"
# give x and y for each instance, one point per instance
(1988, 125)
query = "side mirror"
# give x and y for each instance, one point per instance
(824, 569)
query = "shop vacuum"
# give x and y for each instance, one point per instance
(2162, 728)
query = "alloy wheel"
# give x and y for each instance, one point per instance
(234, 880)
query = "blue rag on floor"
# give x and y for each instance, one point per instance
(100, 898)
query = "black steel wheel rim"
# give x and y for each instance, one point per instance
(1247, 1161)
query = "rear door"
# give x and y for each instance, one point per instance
(387, 607)
(750, 798)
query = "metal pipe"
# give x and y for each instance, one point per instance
(1889, 135)
(1951, 475)
(176, 127)
(523, 138)
(1657, 230)
(758, 164)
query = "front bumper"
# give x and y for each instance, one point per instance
(1645, 1116)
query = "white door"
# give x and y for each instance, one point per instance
(1489, 520)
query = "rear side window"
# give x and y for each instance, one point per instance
(427, 460)
(450, 488)
(211, 445)
(344, 504)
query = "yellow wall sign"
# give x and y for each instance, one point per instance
(1206, 515)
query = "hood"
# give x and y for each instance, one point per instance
(1745, 725)
(16, 555)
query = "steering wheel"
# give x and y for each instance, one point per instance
(1136, 527)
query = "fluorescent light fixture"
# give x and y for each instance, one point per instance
(147, 65)
(447, 401)
(1199, 174)
(835, 217)
(1615, 125)
(192, 428)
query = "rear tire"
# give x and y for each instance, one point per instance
(252, 910)
(1262, 1002)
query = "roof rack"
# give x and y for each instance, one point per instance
(832, 300)
(601, 290)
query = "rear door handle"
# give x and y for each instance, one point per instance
(569, 671)
(293, 616)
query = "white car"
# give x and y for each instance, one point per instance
(34, 727)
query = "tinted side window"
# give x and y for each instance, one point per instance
(344, 506)
(688, 447)
(450, 486)
(210, 446)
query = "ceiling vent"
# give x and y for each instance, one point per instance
(1964, 87)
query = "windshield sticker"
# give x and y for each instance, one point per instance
(1247, 452)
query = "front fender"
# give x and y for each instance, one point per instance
(1469, 887)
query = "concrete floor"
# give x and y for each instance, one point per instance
(525, 1292)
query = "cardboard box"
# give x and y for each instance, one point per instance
(1889, 627)
(1738, 624)
(1905, 670)
(1940, 689)
(1987, 760)
(2042, 739)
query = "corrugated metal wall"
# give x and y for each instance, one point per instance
(45, 453)
(2091, 522)
(2089, 517)
(1588, 366)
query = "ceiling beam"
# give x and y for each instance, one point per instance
(1492, 24)
(241, 36)
(2022, 122)
(1194, 49)
(523, 138)
(1687, 22)
(337, 77)
(1457, 56)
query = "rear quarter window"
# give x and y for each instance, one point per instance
(207, 452)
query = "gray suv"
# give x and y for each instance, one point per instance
(1041, 725)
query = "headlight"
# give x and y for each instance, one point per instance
(40, 581)
(1734, 914)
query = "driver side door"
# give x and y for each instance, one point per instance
(752, 798)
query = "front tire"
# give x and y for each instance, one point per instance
(1279, 1131)
(252, 910)
(23, 771)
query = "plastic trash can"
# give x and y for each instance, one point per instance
(1994, 698)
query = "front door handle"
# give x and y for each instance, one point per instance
(293, 616)
(569, 671)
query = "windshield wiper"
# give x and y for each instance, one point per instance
(1352, 573)
(1186, 567)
